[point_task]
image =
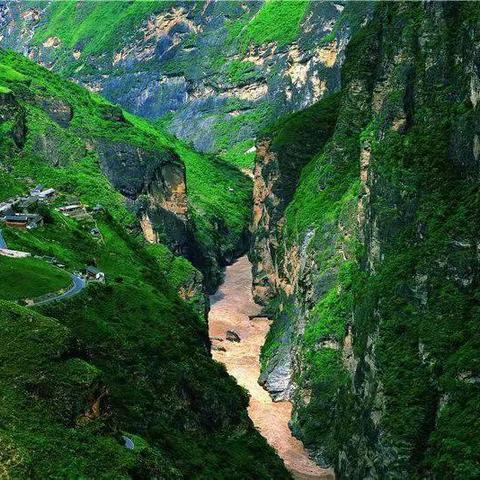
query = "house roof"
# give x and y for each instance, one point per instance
(16, 218)
(93, 270)
(5, 206)
(23, 217)
(70, 207)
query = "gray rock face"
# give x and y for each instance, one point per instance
(179, 63)
(12, 111)
(155, 184)
(60, 112)
(135, 171)
(277, 377)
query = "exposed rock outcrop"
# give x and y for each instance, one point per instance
(169, 63)
(12, 113)
(155, 183)
(59, 111)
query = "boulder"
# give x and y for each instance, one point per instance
(232, 336)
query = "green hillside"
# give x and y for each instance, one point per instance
(218, 194)
(128, 358)
(22, 278)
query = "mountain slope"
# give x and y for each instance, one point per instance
(369, 263)
(126, 359)
(201, 210)
(213, 73)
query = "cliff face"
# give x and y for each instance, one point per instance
(12, 116)
(214, 72)
(369, 262)
(154, 183)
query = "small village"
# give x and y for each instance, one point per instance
(25, 213)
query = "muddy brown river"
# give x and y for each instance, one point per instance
(230, 309)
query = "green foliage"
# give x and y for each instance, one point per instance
(9, 187)
(242, 154)
(229, 139)
(218, 194)
(276, 21)
(327, 317)
(23, 278)
(125, 358)
(8, 74)
(405, 285)
(239, 72)
(46, 391)
(78, 23)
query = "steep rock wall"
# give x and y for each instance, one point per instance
(370, 270)
(216, 72)
(155, 184)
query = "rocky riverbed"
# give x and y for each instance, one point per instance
(231, 308)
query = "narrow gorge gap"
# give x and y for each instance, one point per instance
(234, 315)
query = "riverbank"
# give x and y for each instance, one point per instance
(231, 307)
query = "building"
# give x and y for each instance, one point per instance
(36, 190)
(75, 211)
(27, 221)
(6, 209)
(46, 194)
(94, 274)
(27, 203)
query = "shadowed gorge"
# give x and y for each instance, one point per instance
(239, 240)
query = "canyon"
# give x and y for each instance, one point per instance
(289, 231)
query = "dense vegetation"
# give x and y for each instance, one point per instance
(77, 24)
(28, 278)
(276, 21)
(217, 193)
(387, 217)
(371, 224)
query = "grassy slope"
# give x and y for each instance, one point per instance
(75, 22)
(23, 278)
(140, 352)
(218, 193)
(148, 349)
(276, 21)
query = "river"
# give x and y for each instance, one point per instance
(231, 306)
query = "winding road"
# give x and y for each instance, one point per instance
(231, 306)
(79, 284)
